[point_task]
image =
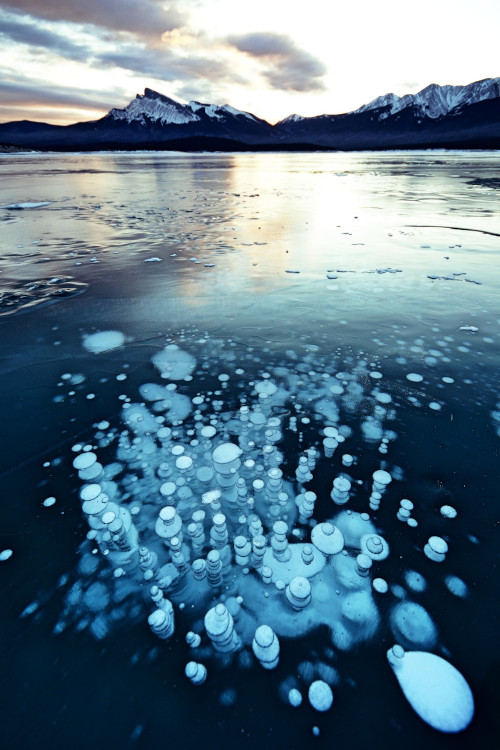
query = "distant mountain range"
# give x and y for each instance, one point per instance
(436, 117)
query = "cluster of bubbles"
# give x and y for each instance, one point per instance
(196, 509)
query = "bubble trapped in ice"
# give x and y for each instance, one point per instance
(199, 511)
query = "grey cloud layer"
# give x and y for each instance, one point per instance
(20, 29)
(126, 34)
(286, 65)
(165, 64)
(23, 91)
(141, 17)
(160, 62)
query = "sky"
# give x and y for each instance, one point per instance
(64, 61)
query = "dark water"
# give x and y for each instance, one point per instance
(398, 272)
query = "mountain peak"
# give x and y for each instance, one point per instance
(155, 95)
(291, 118)
(155, 107)
(435, 100)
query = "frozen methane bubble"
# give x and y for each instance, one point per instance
(414, 377)
(320, 695)
(381, 479)
(104, 341)
(174, 363)
(447, 511)
(295, 697)
(340, 491)
(84, 461)
(405, 509)
(226, 458)
(169, 524)
(5, 554)
(193, 639)
(327, 538)
(415, 581)
(456, 586)
(161, 621)
(228, 531)
(412, 625)
(363, 565)
(380, 585)
(219, 625)
(266, 647)
(196, 672)
(298, 592)
(434, 688)
(436, 549)
(374, 546)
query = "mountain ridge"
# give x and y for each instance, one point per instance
(436, 116)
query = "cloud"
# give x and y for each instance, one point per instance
(20, 29)
(164, 64)
(148, 18)
(34, 93)
(104, 50)
(286, 66)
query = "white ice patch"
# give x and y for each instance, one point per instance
(174, 363)
(103, 341)
(28, 205)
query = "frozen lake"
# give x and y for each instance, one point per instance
(357, 293)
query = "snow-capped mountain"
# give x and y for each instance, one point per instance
(436, 101)
(437, 116)
(154, 107)
(290, 119)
